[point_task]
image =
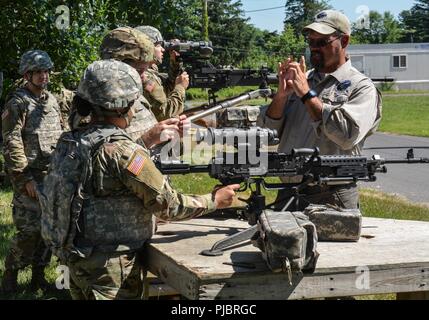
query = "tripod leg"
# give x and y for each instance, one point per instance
(220, 246)
(292, 199)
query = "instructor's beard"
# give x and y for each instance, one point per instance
(317, 60)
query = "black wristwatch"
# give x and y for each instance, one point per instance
(309, 95)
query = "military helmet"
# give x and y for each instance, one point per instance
(110, 84)
(34, 60)
(153, 33)
(126, 43)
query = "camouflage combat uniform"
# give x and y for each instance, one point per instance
(126, 44)
(126, 192)
(65, 101)
(166, 98)
(31, 127)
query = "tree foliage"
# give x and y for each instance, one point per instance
(34, 24)
(382, 29)
(300, 13)
(416, 22)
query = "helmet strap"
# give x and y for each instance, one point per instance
(40, 86)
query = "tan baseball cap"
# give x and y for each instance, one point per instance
(328, 22)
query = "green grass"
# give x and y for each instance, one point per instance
(406, 115)
(7, 230)
(202, 94)
(379, 205)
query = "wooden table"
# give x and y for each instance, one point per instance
(391, 257)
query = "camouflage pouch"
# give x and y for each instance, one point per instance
(287, 241)
(238, 117)
(334, 223)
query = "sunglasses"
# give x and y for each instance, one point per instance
(320, 43)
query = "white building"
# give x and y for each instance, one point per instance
(405, 65)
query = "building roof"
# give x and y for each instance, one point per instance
(389, 48)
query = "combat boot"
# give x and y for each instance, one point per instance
(38, 280)
(9, 284)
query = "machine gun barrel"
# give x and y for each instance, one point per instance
(414, 160)
(231, 103)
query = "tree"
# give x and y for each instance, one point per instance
(300, 13)
(229, 31)
(35, 24)
(416, 22)
(382, 29)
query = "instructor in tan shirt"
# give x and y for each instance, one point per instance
(333, 107)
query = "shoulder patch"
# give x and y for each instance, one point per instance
(137, 162)
(344, 85)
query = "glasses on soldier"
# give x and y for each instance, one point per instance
(320, 43)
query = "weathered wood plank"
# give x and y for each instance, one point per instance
(393, 250)
(311, 287)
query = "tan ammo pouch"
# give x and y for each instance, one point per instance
(334, 223)
(238, 117)
(287, 240)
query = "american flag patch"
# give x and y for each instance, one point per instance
(137, 163)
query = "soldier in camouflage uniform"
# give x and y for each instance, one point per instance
(127, 190)
(65, 99)
(135, 49)
(31, 126)
(165, 92)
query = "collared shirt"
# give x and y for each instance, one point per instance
(351, 112)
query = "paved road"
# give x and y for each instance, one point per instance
(410, 181)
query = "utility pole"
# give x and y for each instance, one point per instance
(205, 21)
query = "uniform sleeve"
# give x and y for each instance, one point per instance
(163, 106)
(173, 73)
(65, 102)
(139, 174)
(347, 122)
(16, 162)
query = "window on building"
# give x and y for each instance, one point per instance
(400, 61)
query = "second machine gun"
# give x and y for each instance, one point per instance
(314, 168)
(195, 56)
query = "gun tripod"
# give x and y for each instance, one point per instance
(256, 205)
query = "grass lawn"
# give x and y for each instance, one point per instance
(406, 115)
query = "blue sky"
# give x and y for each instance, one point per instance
(273, 19)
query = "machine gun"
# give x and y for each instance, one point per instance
(315, 169)
(202, 74)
